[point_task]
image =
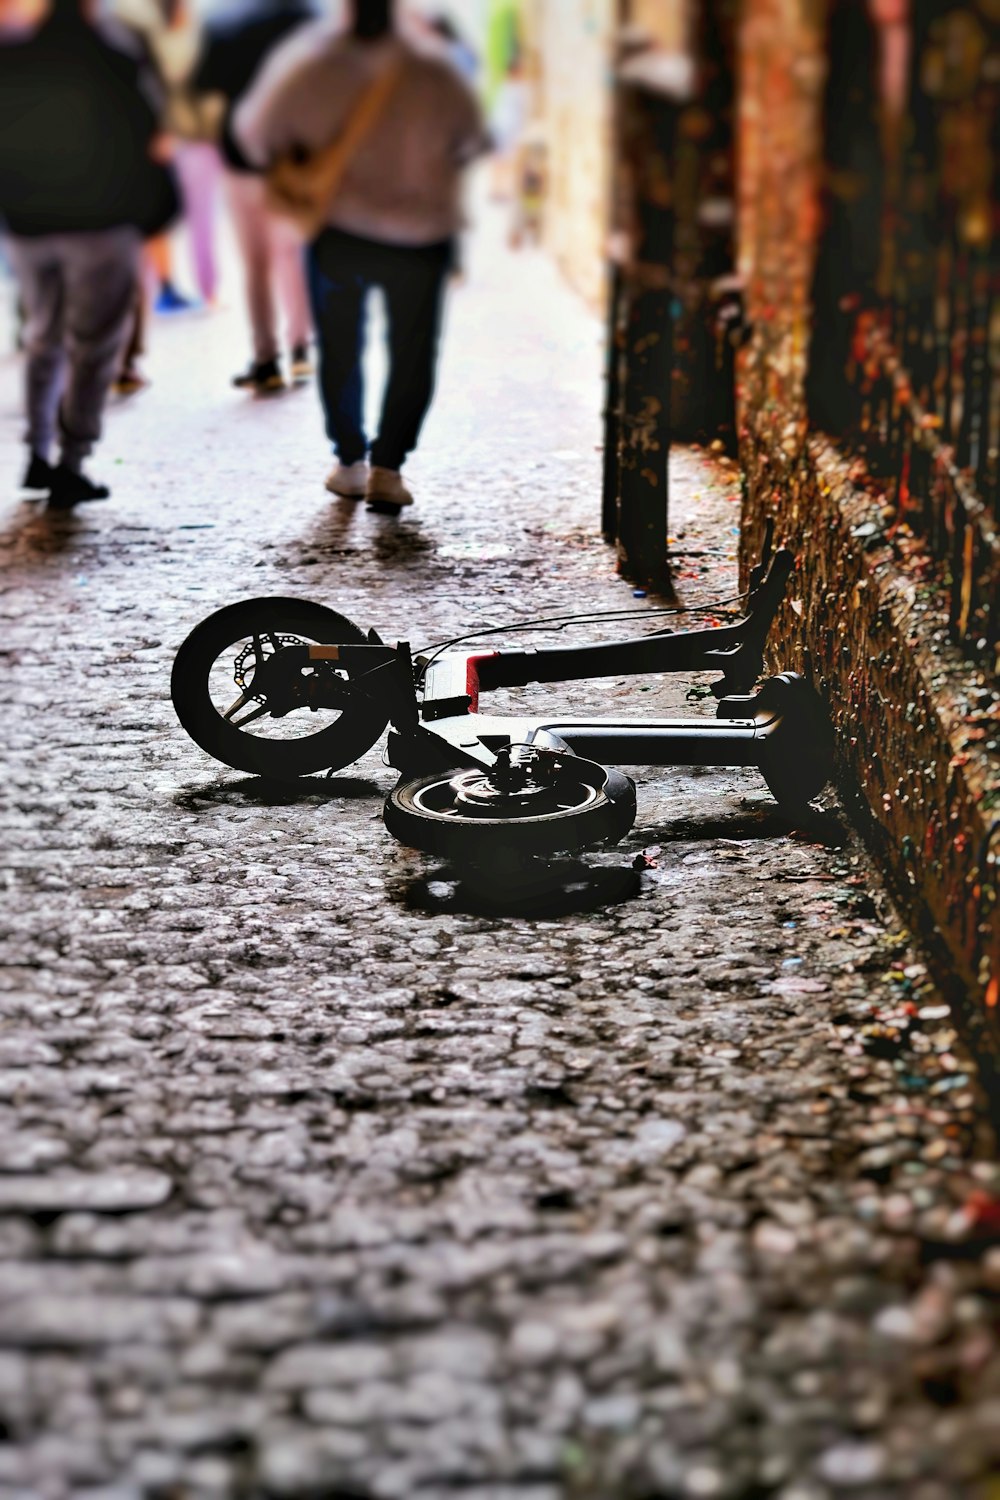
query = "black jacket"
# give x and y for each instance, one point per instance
(78, 109)
(235, 44)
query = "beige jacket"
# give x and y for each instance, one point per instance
(402, 186)
(174, 49)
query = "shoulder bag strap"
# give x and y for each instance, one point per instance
(330, 164)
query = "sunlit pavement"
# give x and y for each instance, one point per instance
(308, 1189)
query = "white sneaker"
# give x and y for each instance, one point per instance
(349, 480)
(386, 487)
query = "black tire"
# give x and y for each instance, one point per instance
(605, 814)
(329, 748)
(797, 758)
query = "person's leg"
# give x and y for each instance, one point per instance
(413, 281)
(40, 283)
(250, 223)
(338, 290)
(101, 274)
(130, 377)
(198, 169)
(288, 260)
(160, 258)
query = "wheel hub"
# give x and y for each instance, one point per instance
(523, 782)
(279, 682)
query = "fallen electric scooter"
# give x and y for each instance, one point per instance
(313, 692)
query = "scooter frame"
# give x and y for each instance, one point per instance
(432, 702)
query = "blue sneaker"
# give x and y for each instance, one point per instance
(170, 300)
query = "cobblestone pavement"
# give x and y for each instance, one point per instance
(309, 1188)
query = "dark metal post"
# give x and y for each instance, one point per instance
(612, 406)
(652, 88)
(645, 439)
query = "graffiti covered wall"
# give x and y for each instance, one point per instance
(867, 618)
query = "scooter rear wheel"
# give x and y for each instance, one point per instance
(220, 657)
(567, 804)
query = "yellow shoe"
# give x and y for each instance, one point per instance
(301, 362)
(386, 487)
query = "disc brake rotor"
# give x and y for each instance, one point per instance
(250, 654)
(312, 687)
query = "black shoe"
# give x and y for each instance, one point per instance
(38, 474)
(262, 376)
(69, 488)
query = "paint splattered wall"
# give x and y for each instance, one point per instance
(863, 621)
(781, 72)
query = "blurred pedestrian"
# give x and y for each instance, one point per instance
(530, 186)
(236, 42)
(130, 377)
(78, 186)
(399, 124)
(459, 49)
(508, 122)
(169, 30)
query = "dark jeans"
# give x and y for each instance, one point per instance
(343, 269)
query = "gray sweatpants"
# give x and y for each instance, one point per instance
(78, 292)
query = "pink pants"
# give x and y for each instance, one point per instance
(273, 262)
(198, 167)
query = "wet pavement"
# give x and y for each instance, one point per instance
(311, 1184)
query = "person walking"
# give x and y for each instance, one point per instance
(236, 42)
(73, 210)
(171, 32)
(406, 124)
(169, 36)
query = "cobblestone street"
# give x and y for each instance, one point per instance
(310, 1186)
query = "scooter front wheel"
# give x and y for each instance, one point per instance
(239, 704)
(532, 802)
